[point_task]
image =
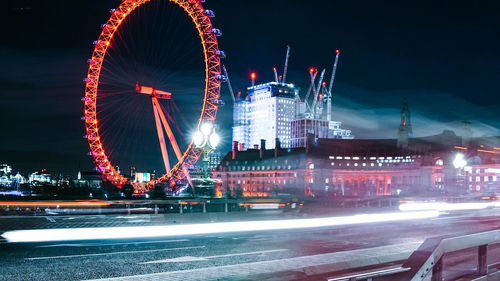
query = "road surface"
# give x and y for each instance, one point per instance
(260, 255)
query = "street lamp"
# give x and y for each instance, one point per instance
(206, 140)
(459, 163)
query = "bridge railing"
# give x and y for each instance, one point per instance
(428, 258)
(426, 263)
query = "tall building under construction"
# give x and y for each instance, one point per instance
(275, 111)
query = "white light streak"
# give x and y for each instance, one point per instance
(443, 206)
(68, 234)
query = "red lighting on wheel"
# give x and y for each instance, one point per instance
(311, 70)
(253, 75)
(337, 51)
(324, 83)
(212, 66)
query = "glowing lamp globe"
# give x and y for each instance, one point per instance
(206, 128)
(214, 140)
(198, 138)
(459, 162)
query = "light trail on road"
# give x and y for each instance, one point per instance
(69, 234)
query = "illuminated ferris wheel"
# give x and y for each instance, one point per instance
(176, 158)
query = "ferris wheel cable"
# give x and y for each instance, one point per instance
(169, 117)
(208, 110)
(175, 109)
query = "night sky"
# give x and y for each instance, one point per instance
(443, 56)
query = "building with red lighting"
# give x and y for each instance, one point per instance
(363, 167)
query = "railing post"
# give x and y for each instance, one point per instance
(204, 207)
(482, 262)
(225, 207)
(437, 270)
(156, 209)
(180, 208)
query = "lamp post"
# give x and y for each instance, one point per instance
(459, 163)
(206, 140)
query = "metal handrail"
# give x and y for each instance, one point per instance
(370, 275)
(429, 256)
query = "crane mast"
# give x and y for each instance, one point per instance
(275, 75)
(229, 83)
(283, 80)
(330, 87)
(313, 74)
(317, 90)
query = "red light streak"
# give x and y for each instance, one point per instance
(55, 204)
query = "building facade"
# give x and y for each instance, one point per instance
(265, 113)
(349, 167)
(320, 129)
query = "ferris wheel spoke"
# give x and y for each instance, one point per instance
(129, 65)
(161, 138)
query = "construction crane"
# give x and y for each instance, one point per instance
(330, 87)
(229, 84)
(312, 73)
(283, 80)
(317, 90)
(275, 75)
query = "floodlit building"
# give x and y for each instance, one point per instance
(274, 110)
(320, 129)
(265, 113)
(214, 159)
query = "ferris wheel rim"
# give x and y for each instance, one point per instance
(190, 156)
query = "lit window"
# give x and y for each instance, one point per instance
(494, 178)
(486, 178)
(478, 178)
(333, 164)
(355, 164)
(311, 166)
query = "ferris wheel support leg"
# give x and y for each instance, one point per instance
(170, 135)
(161, 138)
